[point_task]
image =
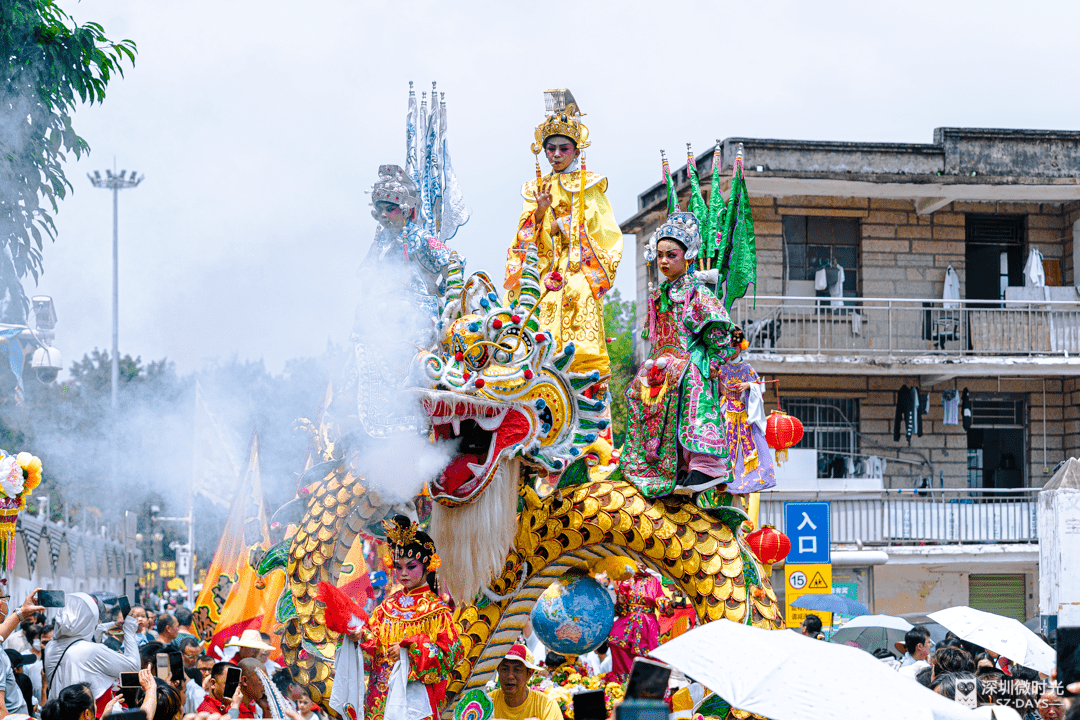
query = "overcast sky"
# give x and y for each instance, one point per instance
(259, 125)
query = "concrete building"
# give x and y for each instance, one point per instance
(950, 501)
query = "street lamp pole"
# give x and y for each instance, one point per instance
(116, 183)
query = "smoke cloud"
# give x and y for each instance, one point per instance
(395, 319)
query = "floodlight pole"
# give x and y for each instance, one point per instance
(116, 183)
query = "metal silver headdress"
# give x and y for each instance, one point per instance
(681, 226)
(394, 186)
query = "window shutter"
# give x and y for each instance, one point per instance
(999, 594)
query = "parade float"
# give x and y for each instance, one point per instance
(533, 491)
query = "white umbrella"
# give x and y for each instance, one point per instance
(1000, 634)
(890, 622)
(787, 676)
(872, 632)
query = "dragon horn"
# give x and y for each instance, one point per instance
(529, 293)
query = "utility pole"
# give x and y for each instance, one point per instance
(116, 183)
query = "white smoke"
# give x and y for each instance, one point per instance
(395, 319)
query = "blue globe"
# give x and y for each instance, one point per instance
(574, 615)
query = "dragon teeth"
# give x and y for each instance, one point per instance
(456, 423)
(477, 470)
(492, 423)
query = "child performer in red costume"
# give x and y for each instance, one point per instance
(412, 619)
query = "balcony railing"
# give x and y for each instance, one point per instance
(905, 326)
(931, 516)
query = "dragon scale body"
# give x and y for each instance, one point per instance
(566, 530)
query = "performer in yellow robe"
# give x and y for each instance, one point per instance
(577, 267)
(579, 252)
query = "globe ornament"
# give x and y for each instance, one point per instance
(574, 615)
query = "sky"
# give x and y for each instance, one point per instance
(260, 125)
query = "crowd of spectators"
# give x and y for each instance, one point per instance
(91, 661)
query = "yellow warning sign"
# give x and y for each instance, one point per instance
(802, 580)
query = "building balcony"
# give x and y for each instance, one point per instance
(934, 516)
(882, 336)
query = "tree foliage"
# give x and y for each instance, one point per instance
(619, 326)
(50, 64)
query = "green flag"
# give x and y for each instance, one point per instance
(715, 215)
(737, 244)
(697, 203)
(672, 197)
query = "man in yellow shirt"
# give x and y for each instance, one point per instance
(514, 700)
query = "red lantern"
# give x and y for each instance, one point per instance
(769, 546)
(782, 431)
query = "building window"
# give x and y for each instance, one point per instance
(812, 242)
(830, 426)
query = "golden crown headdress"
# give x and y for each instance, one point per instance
(402, 532)
(563, 113)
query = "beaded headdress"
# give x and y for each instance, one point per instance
(394, 186)
(562, 118)
(681, 226)
(407, 540)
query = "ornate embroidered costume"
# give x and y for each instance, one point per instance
(636, 631)
(744, 417)
(423, 625)
(673, 408)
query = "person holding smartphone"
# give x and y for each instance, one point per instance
(74, 657)
(216, 701)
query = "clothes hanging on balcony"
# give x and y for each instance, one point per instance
(856, 323)
(835, 277)
(952, 289)
(950, 403)
(909, 411)
(965, 409)
(1034, 274)
(875, 467)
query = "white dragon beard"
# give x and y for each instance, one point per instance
(473, 539)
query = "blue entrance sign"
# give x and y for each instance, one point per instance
(807, 526)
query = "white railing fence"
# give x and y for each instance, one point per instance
(930, 516)
(906, 326)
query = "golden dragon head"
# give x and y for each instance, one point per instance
(498, 387)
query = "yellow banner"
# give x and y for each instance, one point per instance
(248, 512)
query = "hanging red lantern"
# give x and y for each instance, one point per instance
(781, 432)
(769, 546)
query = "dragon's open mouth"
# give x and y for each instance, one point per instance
(483, 431)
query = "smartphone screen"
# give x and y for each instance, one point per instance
(164, 671)
(232, 681)
(51, 598)
(129, 688)
(648, 680)
(124, 604)
(589, 705)
(1068, 656)
(634, 709)
(135, 714)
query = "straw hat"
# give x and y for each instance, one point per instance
(249, 639)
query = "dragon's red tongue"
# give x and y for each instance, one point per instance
(458, 472)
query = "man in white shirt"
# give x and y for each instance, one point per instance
(918, 645)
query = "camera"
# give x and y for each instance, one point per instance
(46, 363)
